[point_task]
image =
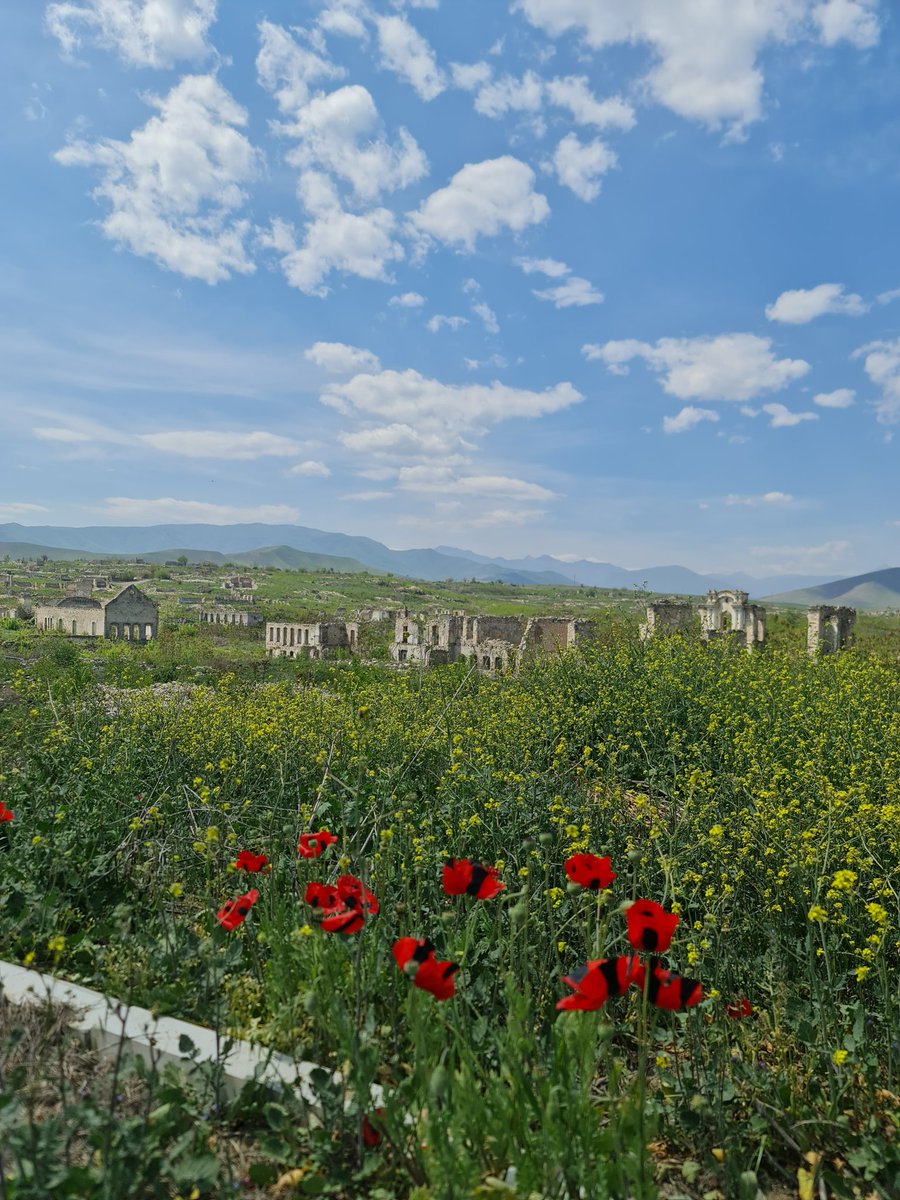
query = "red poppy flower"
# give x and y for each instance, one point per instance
(672, 992)
(233, 912)
(323, 896)
(462, 877)
(6, 814)
(311, 845)
(345, 920)
(650, 927)
(739, 1010)
(430, 975)
(248, 861)
(594, 983)
(590, 871)
(350, 888)
(371, 1134)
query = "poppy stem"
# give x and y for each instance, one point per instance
(643, 1056)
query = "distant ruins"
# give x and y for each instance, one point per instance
(317, 639)
(829, 629)
(230, 616)
(728, 614)
(491, 644)
(129, 616)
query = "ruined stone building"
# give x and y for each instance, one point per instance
(829, 629)
(666, 617)
(129, 616)
(727, 613)
(319, 639)
(230, 616)
(239, 583)
(489, 643)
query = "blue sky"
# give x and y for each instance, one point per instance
(552, 276)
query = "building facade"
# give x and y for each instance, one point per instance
(130, 616)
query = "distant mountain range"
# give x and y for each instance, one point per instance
(875, 590)
(297, 546)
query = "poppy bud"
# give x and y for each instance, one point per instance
(518, 913)
(633, 855)
(448, 917)
(411, 969)
(528, 844)
(400, 908)
(311, 1003)
(546, 839)
(572, 888)
(438, 1084)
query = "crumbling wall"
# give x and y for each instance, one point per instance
(829, 629)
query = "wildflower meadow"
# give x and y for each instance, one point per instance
(623, 924)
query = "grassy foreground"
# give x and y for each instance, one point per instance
(758, 797)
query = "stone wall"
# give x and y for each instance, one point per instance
(829, 629)
(76, 617)
(131, 616)
(306, 639)
(230, 616)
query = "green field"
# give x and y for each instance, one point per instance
(756, 796)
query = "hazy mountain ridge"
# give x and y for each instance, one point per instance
(298, 546)
(874, 590)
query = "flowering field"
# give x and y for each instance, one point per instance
(467, 936)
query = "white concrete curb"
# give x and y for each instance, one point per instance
(107, 1022)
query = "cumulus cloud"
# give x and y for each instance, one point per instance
(334, 240)
(443, 480)
(310, 467)
(481, 200)
(543, 266)
(471, 76)
(405, 52)
(755, 501)
(881, 361)
(287, 69)
(438, 322)
(841, 398)
(407, 300)
(132, 510)
(853, 21)
(214, 443)
(574, 93)
(688, 418)
(145, 33)
(783, 418)
(706, 56)
(172, 189)
(805, 304)
(509, 94)
(581, 165)
(574, 292)
(340, 359)
(487, 316)
(731, 366)
(402, 414)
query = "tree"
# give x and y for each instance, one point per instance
(182, 560)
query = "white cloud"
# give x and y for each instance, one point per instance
(509, 94)
(575, 292)
(443, 480)
(404, 415)
(487, 316)
(344, 21)
(573, 92)
(213, 443)
(544, 266)
(166, 508)
(482, 199)
(887, 297)
(783, 418)
(493, 360)
(407, 300)
(706, 54)
(580, 165)
(841, 398)
(507, 516)
(471, 76)
(287, 69)
(340, 359)
(805, 304)
(173, 187)
(853, 21)
(882, 365)
(439, 321)
(21, 509)
(731, 366)
(688, 418)
(335, 240)
(146, 33)
(310, 467)
(755, 501)
(406, 52)
(367, 497)
(341, 132)
(54, 433)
